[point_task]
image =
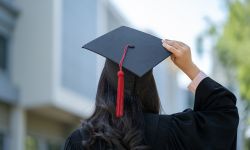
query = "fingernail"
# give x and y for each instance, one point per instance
(162, 40)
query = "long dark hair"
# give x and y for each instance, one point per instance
(103, 130)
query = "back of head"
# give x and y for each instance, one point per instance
(103, 129)
(143, 88)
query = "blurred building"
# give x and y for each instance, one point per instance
(47, 81)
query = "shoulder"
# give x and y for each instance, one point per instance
(74, 141)
(159, 131)
(156, 120)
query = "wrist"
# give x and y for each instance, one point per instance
(192, 71)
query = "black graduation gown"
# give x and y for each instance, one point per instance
(211, 125)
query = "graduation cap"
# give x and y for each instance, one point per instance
(134, 50)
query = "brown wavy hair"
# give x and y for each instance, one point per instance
(103, 130)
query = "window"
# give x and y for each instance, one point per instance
(1, 141)
(54, 146)
(40, 143)
(3, 53)
(31, 143)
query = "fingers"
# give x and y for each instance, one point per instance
(181, 55)
(172, 58)
(175, 47)
(176, 44)
(170, 48)
(182, 44)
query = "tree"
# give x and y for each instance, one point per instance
(233, 44)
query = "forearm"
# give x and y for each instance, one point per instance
(191, 71)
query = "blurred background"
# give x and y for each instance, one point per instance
(48, 82)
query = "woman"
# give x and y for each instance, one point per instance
(211, 125)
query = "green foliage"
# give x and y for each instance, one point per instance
(234, 43)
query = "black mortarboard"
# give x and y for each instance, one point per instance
(142, 51)
(146, 54)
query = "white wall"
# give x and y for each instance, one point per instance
(79, 26)
(166, 80)
(37, 68)
(32, 67)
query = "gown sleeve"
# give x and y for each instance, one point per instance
(211, 125)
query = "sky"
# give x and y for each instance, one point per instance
(181, 20)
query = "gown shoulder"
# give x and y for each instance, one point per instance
(210, 125)
(74, 141)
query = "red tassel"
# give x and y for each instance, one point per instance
(120, 86)
(120, 94)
